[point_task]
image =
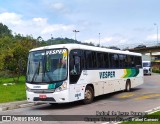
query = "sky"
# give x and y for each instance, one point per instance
(112, 22)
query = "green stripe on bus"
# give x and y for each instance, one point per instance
(137, 72)
(131, 73)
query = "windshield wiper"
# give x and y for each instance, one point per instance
(36, 72)
(44, 70)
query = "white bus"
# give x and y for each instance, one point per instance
(147, 67)
(71, 72)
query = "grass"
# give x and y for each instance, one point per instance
(14, 92)
(155, 115)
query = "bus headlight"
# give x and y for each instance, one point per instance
(28, 89)
(62, 87)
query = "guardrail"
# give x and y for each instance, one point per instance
(133, 45)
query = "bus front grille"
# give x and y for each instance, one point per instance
(42, 91)
(44, 99)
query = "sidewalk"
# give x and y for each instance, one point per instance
(15, 105)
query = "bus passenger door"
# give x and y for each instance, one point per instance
(74, 68)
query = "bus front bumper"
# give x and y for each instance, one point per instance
(56, 97)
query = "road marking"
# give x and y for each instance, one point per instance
(147, 96)
(126, 96)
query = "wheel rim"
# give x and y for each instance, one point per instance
(128, 87)
(88, 95)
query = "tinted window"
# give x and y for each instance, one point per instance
(111, 60)
(146, 64)
(83, 63)
(138, 61)
(122, 61)
(100, 59)
(132, 61)
(106, 60)
(129, 61)
(114, 61)
(91, 61)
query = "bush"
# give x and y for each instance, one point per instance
(5, 74)
(156, 70)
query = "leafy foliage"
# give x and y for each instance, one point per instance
(4, 31)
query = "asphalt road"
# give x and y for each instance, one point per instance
(140, 99)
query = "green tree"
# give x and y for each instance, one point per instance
(6, 45)
(16, 59)
(4, 31)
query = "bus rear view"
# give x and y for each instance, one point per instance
(147, 67)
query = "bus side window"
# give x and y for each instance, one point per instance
(111, 59)
(100, 59)
(114, 60)
(83, 64)
(106, 60)
(138, 62)
(132, 62)
(77, 64)
(121, 61)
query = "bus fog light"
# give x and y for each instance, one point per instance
(63, 99)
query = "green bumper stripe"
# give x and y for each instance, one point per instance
(55, 85)
(51, 86)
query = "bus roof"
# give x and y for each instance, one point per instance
(85, 47)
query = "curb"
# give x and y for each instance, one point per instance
(153, 110)
(16, 105)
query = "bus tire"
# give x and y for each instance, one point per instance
(128, 86)
(88, 95)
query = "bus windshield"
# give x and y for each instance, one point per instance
(146, 64)
(47, 66)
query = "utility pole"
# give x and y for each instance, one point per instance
(75, 31)
(51, 39)
(99, 38)
(157, 31)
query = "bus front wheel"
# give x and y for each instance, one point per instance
(88, 95)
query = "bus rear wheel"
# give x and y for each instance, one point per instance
(128, 86)
(88, 95)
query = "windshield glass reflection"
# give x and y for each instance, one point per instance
(47, 66)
